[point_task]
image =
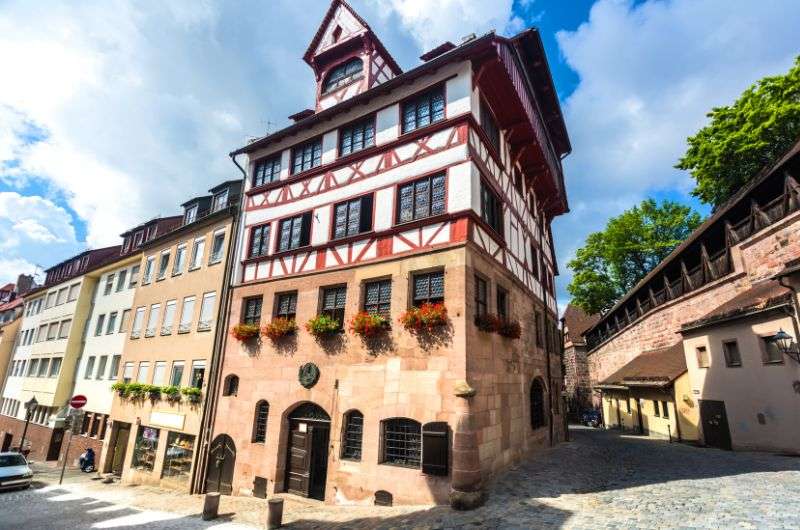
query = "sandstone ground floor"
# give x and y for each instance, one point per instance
(601, 479)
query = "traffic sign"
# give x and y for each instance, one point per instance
(77, 401)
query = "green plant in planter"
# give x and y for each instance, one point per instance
(136, 390)
(323, 326)
(172, 393)
(153, 392)
(121, 388)
(192, 393)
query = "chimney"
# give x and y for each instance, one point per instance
(24, 283)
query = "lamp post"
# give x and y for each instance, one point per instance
(786, 345)
(30, 407)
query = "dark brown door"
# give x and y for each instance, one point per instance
(6, 442)
(715, 424)
(298, 473)
(55, 444)
(120, 446)
(320, 434)
(221, 461)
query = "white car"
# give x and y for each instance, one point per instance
(14, 471)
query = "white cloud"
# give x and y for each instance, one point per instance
(648, 76)
(34, 218)
(10, 269)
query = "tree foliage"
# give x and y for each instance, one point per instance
(631, 245)
(743, 138)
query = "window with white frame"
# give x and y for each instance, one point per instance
(127, 373)
(55, 366)
(152, 320)
(176, 375)
(134, 277)
(138, 319)
(121, 278)
(198, 373)
(191, 214)
(51, 300)
(163, 264)
(187, 312)
(62, 295)
(98, 328)
(148, 269)
(87, 373)
(206, 311)
(63, 328)
(113, 371)
(74, 289)
(109, 284)
(169, 317)
(198, 247)
(180, 259)
(159, 371)
(112, 323)
(52, 331)
(141, 374)
(124, 322)
(101, 367)
(220, 200)
(44, 367)
(217, 247)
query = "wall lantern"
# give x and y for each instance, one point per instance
(786, 345)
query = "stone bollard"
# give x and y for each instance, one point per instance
(211, 506)
(275, 515)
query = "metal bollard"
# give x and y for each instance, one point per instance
(211, 506)
(275, 514)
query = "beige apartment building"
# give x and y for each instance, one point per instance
(156, 409)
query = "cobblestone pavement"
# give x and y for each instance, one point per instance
(600, 480)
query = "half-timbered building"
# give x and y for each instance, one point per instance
(395, 251)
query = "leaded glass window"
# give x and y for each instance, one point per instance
(357, 136)
(259, 241)
(252, 310)
(378, 297)
(333, 299)
(343, 74)
(266, 171)
(260, 422)
(286, 306)
(295, 232)
(402, 442)
(481, 297)
(421, 198)
(491, 209)
(352, 217)
(307, 156)
(423, 110)
(428, 288)
(353, 433)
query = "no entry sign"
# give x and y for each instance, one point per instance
(77, 401)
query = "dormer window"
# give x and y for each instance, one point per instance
(343, 74)
(220, 200)
(191, 214)
(137, 238)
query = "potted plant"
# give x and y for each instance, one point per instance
(368, 324)
(244, 332)
(153, 392)
(136, 391)
(192, 393)
(279, 328)
(426, 317)
(172, 393)
(323, 326)
(121, 388)
(488, 323)
(510, 329)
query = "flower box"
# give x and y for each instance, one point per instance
(426, 317)
(245, 332)
(323, 326)
(120, 388)
(192, 394)
(510, 329)
(368, 324)
(279, 328)
(172, 393)
(488, 323)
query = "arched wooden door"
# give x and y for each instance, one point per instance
(221, 459)
(307, 455)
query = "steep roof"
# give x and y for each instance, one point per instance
(577, 321)
(652, 368)
(16, 302)
(760, 297)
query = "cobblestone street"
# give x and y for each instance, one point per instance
(599, 480)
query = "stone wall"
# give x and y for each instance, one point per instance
(38, 435)
(757, 258)
(576, 377)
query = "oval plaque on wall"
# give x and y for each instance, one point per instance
(308, 375)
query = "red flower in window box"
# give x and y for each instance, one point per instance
(488, 323)
(510, 329)
(279, 328)
(368, 324)
(427, 316)
(245, 332)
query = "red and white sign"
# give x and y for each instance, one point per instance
(77, 401)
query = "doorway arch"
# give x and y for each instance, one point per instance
(307, 450)
(221, 460)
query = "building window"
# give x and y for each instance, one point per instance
(489, 126)
(286, 305)
(121, 278)
(159, 371)
(421, 198)
(179, 456)
(231, 385)
(98, 328)
(198, 373)
(127, 373)
(220, 200)
(538, 418)
(145, 448)
(333, 300)
(353, 433)
(87, 374)
(73, 293)
(191, 214)
(101, 367)
(307, 156)
(44, 366)
(124, 321)
(112, 323)
(260, 422)
(180, 260)
(62, 294)
(423, 110)
(169, 317)
(162, 265)
(52, 331)
(655, 409)
(267, 170)
(502, 303)
(357, 136)
(138, 318)
(401, 442)
(251, 313)
(259, 241)
(732, 355)
(148, 270)
(294, 232)
(535, 261)
(198, 247)
(491, 209)
(428, 288)
(343, 74)
(378, 298)
(55, 366)
(141, 374)
(63, 329)
(114, 371)
(206, 311)
(628, 405)
(664, 409)
(481, 297)
(152, 320)
(217, 247)
(702, 357)
(33, 367)
(352, 217)
(771, 351)
(187, 312)
(51, 300)
(176, 377)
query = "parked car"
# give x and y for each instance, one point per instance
(591, 418)
(14, 471)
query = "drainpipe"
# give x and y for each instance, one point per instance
(220, 340)
(549, 380)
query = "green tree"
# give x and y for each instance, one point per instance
(743, 138)
(614, 260)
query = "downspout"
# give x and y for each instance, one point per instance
(220, 341)
(547, 349)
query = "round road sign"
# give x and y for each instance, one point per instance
(77, 401)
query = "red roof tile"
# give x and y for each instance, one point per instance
(577, 321)
(761, 296)
(652, 368)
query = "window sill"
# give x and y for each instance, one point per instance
(161, 278)
(192, 269)
(773, 362)
(215, 262)
(405, 466)
(177, 273)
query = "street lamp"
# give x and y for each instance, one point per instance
(786, 345)
(30, 407)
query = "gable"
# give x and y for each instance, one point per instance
(342, 26)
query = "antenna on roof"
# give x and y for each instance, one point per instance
(467, 38)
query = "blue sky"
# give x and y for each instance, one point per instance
(118, 110)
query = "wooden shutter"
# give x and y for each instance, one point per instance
(305, 230)
(435, 448)
(366, 214)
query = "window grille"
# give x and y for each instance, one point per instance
(353, 433)
(402, 442)
(429, 288)
(423, 110)
(420, 199)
